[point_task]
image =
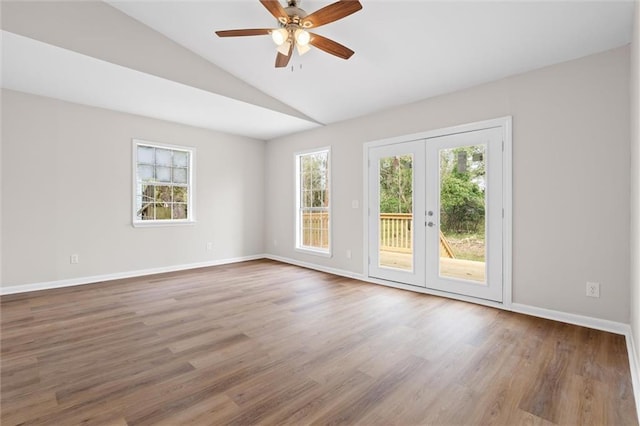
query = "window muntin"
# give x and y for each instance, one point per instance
(163, 187)
(313, 202)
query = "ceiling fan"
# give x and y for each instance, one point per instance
(293, 25)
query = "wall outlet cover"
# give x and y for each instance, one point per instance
(593, 289)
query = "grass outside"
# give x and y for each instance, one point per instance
(467, 246)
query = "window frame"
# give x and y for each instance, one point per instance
(191, 187)
(299, 247)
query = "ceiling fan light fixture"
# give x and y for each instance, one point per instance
(280, 36)
(302, 37)
(284, 48)
(302, 49)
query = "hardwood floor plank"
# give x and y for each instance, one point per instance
(122, 381)
(20, 410)
(549, 393)
(209, 411)
(256, 412)
(263, 342)
(353, 410)
(320, 400)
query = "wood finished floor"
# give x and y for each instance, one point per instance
(269, 343)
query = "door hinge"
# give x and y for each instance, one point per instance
(503, 213)
(369, 260)
(503, 145)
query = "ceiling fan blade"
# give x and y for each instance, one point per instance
(246, 32)
(331, 13)
(283, 60)
(330, 46)
(275, 8)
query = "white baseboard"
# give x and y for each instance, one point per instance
(584, 321)
(120, 275)
(334, 271)
(360, 277)
(632, 350)
(581, 320)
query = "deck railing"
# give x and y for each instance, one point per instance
(395, 232)
(315, 226)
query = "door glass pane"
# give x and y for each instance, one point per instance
(463, 212)
(396, 212)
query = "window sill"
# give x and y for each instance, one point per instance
(162, 223)
(320, 253)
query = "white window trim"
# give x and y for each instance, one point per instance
(136, 223)
(298, 246)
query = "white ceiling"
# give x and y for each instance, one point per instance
(405, 50)
(35, 67)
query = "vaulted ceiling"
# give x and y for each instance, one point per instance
(405, 51)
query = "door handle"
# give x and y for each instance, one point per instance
(430, 224)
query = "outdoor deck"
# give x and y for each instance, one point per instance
(396, 242)
(454, 268)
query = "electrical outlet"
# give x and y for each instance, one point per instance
(348, 254)
(209, 246)
(74, 258)
(355, 204)
(593, 289)
(275, 243)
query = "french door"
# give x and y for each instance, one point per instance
(436, 213)
(397, 206)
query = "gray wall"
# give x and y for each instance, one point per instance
(67, 183)
(571, 179)
(635, 180)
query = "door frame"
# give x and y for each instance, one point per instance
(505, 123)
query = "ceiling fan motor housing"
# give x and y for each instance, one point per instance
(295, 14)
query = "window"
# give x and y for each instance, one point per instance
(312, 202)
(163, 184)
